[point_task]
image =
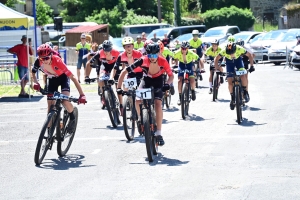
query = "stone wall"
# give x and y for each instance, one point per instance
(293, 21)
(268, 7)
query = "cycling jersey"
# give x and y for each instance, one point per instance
(56, 68)
(195, 44)
(37, 63)
(138, 46)
(239, 52)
(190, 56)
(83, 49)
(123, 59)
(101, 58)
(167, 52)
(210, 52)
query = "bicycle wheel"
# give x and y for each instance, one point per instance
(238, 104)
(153, 138)
(147, 132)
(109, 105)
(215, 86)
(185, 100)
(64, 144)
(128, 118)
(168, 99)
(44, 143)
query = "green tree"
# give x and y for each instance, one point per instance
(43, 13)
(12, 3)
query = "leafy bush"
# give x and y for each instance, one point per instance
(243, 18)
(186, 21)
(133, 18)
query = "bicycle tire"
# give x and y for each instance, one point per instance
(238, 104)
(38, 158)
(168, 100)
(147, 133)
(128, 119)
(116, 112)
(109, 103)
(215, 86)
(185, 100)
(67, 138)
(153, 138)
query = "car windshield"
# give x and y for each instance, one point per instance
(117, 42)
(272, 35)
(289, 36)
(214, 33)
(241, 36)
(159, 33)
(185, 37)
(257, 38)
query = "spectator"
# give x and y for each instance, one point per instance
(138, 43)
(82, 48)
(21, 51)
(154, 39)
(166, 40)
(144, 38)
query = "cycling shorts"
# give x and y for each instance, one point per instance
(138, 76)
(183, 66)
(199, 53)
(231, 64)
(63, 81)
(156, 83)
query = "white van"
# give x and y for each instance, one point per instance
(66, 26)
(135, 30)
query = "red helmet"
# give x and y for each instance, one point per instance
(147, 42)
(44, 50)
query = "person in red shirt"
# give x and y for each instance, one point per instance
(53, 66)
(21, 51)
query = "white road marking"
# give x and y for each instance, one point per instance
(96, 151)
(41, 121)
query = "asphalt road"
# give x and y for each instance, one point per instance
(206, 156)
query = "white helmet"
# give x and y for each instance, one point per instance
(195, 32)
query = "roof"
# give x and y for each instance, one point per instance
(85, 29)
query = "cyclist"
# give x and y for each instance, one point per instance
(185, 58)
(232, 54)
(138, 43)
(154, 66)
(196, 43)
(54, 67)
(212, 52)
(94, 64)
(231, 39)
(106, 58)
(126, 58)
(245, 59)
(143, 49)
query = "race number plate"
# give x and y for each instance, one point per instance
(240, 73)
(57, 95)
(144, 93)
(130, 83)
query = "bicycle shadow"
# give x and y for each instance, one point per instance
(64, 163)
(173, 109)
(245, 122)
(246, 107)
(160, 159)
(193, 117)
(223, 100)
(165, 121)
(18, 99)
(136, 139)
(119, 127)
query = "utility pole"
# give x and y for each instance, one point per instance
(159, 10)
(175, 12)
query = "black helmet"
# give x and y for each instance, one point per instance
(152, 48)
(240, 42)
(107, 45)
(297, 36)
(185, 44)
(50, 44)
(216, 41)
(100, 47)
(230, 48)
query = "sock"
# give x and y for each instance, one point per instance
(232, 98)
(158, 132)
(179, 95)
(210, 84)
(72, 116)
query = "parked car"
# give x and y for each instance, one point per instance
(117, 44)
(279, 51)
(185, 37)
(176, 31)
(220, 32)
(295, 57)
(247, 36)
(260, 47)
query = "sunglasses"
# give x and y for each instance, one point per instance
(45, 58)
(183, 48)
(152, 56)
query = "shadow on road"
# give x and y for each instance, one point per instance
(193, 117)
(251, 108)
(171, 109)
(64, 163)
(17, 99)
(248, 123)
(120, 127)
(138, 138)
(223, 100)
(162, 160)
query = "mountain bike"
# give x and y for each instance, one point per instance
(111, 101)
(56, 127)
(238, 92)
(216, 81)
(166, 95)
(130, 116)
(198, 74)
(148, 120)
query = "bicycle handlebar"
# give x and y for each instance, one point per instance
(58, 95)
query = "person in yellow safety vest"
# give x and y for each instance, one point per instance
(138, 43)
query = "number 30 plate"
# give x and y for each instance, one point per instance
(144, 93)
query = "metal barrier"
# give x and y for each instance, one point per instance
(8, 69)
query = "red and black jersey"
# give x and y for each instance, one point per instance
(123, 59)
(144, 63)
(101, 58)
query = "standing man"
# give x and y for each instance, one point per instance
(82, 48)
(21, 51)
(138, 43)
(166, 40)
(154, 39)
(144, 38)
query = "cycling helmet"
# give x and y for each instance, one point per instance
(152, 48)
(240, 42)
(44, 50)
(297, 36)
(185, 44)
(50, 44)
(147, 42)
(195, 32)
(127, 40)
(138, 37)
(216, 41)
(161, 46)
(100, 47)
(230, 48)
(107, 45)
(231, 39)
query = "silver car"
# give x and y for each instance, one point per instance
(279, 51)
